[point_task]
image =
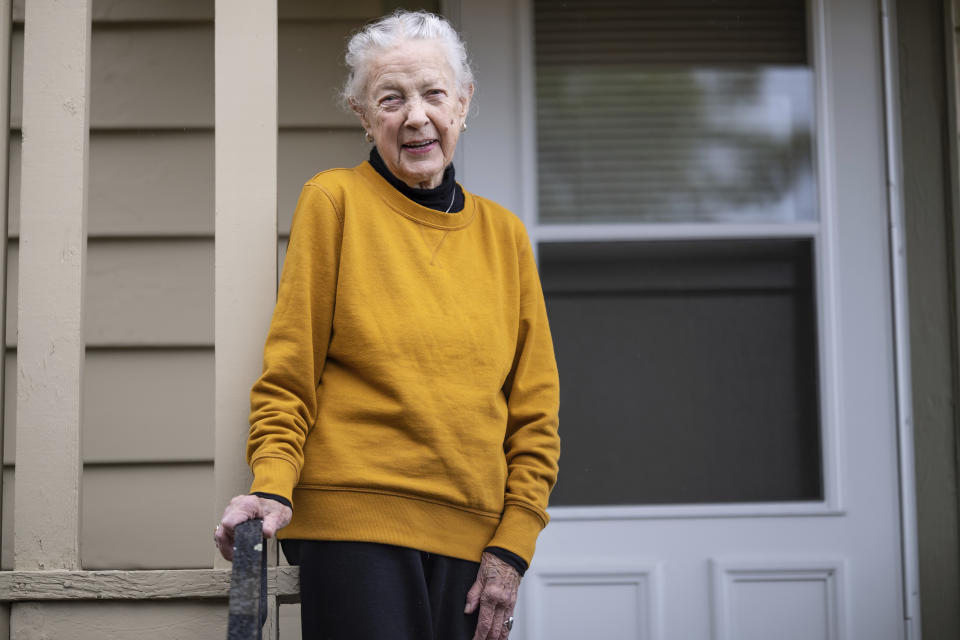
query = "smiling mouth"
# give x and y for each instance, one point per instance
(418, 145)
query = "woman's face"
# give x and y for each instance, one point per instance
(414, 111)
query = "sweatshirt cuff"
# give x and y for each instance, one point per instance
(510, 558)
(274, 497)
(518, 531)
(274, 475)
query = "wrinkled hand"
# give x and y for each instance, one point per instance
(242, 508)
(495, 591)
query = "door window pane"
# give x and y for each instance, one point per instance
(688, 371)
(673, 111)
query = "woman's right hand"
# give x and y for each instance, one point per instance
(242, 508)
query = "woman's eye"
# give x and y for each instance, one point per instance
(390, 100)
(436, 93)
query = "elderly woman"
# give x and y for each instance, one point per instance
(404, 431)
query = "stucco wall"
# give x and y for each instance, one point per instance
(930, 227)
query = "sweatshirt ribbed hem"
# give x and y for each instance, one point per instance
(356, 515)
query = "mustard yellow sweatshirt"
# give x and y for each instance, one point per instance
(409, 393)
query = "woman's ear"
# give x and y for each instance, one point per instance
(465, 101)
(357, 108)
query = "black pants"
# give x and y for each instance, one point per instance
(367, 591)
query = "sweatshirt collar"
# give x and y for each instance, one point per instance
(416, 212)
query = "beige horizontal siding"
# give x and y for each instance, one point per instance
(137, 516)
(304, 152)
(147, 517)
(122, 621)
(334, 9)
(147, 406)
(150, 292)
(290, 622)
(144, 293)
(185, 10)
(140, 293)
(311, 71)
(154, 76)
(160, 183)
(160, 76)
(156, 183)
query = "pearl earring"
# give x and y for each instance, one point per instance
(367, 136)
(463, 127)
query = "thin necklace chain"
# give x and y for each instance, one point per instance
(452, 199)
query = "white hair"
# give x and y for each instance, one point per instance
(391, 30)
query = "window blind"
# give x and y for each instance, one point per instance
(677, 111)
(697, 32)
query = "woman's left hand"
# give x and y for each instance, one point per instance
(495, 592)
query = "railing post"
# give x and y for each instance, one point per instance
(245, 228)
(248, 583)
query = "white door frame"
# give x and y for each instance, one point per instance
(512, 106)
(901, 322)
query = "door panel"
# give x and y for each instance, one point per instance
(825, 566)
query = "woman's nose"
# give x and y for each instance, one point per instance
(416, 114)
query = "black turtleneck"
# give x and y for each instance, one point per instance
(437, 198)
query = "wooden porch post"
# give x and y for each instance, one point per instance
(53, 230)
(53, 243)
(246, 228)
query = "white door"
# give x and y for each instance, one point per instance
(729, 468)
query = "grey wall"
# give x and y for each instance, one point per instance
(930, 227)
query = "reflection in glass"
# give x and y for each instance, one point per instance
(688, 371)
(675, 144)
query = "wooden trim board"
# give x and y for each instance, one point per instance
(166, 584)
